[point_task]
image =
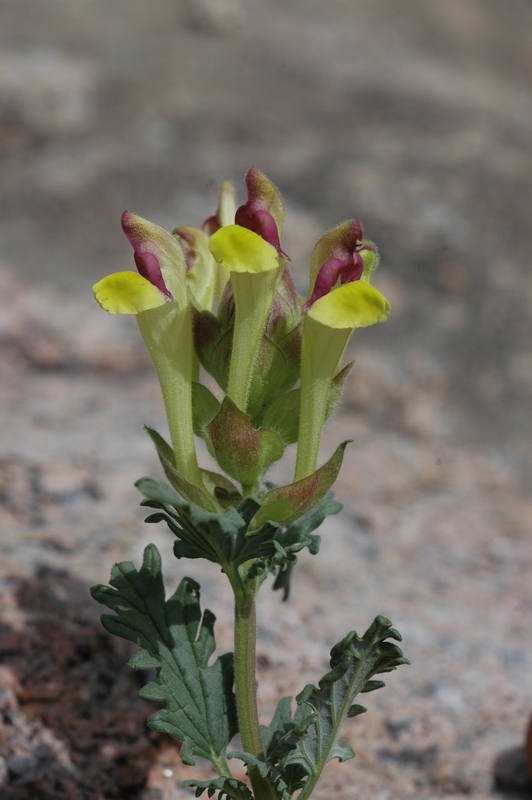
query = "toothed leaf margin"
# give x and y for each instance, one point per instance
(313, 740)
(199, 701)
(226, 787)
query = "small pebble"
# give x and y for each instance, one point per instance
(3, 771)
(510, 771)
(23, 766)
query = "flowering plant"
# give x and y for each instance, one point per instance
(222, 298)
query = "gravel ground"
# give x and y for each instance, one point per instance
(415, 117)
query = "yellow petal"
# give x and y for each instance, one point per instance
(240, 250)
(354, 305)
(127, 293)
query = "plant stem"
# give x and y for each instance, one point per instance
(246, 689)
(249, 489)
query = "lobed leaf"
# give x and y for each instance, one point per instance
(199, 701)
(299, 535)
(322, 711)
(226, 787)
(297, 748)
(267, 771)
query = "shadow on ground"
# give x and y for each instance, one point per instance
(73, 725)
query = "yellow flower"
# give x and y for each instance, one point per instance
(161, 271)
(341, 300)
(157, 295)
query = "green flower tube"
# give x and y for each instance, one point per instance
(167, 333)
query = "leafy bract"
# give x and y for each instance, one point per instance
(198, 698)
(226, 539)
(190, 491)
(221, 538)
(217, 491)
(287, 504)
(205, 406)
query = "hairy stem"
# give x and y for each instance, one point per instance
(246, 689)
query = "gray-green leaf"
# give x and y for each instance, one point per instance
(354, 661)
(198, 698)
(226, 787)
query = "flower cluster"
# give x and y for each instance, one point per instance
(222, 297)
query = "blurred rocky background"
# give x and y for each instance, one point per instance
(415, 117)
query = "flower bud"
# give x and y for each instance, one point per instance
(225, 215)
(205, 280)
(264, 211)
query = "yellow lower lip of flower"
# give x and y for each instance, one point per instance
(354, 305)
(238, 249)
(127, 293)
